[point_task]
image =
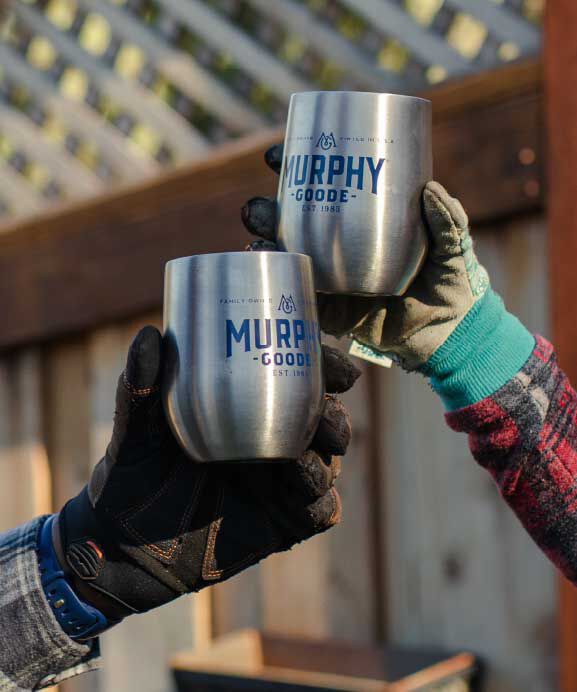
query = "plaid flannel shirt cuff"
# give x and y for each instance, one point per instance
(34, 650)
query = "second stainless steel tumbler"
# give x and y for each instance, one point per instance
(354, 168)
(244, 368)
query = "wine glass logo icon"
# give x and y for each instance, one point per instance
(287, 305)
(326, 142)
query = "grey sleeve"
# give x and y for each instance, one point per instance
(34, 650)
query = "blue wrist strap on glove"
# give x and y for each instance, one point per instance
(79, 620)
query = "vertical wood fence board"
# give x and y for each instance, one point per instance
(24, 468)
(560, 59)
(67, 425)
(24, 471)
(517, 262)
(461, 571)
(106, 354)
(237, 603)
(323, 587)
(295, 589)
(8, 510)
(67, 429)
(351, 589)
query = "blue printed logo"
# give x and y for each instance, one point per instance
(326, 142)
(287, 305)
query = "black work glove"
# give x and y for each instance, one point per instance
(152, 524)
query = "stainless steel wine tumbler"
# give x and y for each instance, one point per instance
(244, 374)
(353, 171)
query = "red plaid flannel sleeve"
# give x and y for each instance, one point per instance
(525, 435)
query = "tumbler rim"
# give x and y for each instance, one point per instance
(243, 253)
(360, 93)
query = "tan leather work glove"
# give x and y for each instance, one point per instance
(447, 314)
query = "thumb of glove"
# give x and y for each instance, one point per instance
(138, 414)
(447, 220)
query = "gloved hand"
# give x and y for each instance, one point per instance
(152, 524)
(449, 325)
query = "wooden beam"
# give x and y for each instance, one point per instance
(487, 88)
(491, 157)
(103, 260)
(561, 102)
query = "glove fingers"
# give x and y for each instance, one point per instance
(259, 217)
(143, 361)
(339, 315)
(333, 433)
(273, 157)
(311, 476)
(380, 329)
(259, 213)
(261, 246)
(293, 495)
(304, 517)
(139, 420)
(319, 516)
(340, 371)
(446, 219)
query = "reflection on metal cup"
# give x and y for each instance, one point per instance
(353, 171)
(244, 365)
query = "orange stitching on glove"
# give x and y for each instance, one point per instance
(144, 391)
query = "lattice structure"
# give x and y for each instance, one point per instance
(96, 93)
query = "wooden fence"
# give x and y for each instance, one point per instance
(427, 553)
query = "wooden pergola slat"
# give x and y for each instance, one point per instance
(78, 117)
(393, 21)
(186, 142)
(503, 24)
(78, 179)
(250, 55)
(184, 72)
(330, 44)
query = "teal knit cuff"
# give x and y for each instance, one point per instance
(488, 347)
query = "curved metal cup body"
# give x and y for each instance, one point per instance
(354, 167)
(244, 374)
